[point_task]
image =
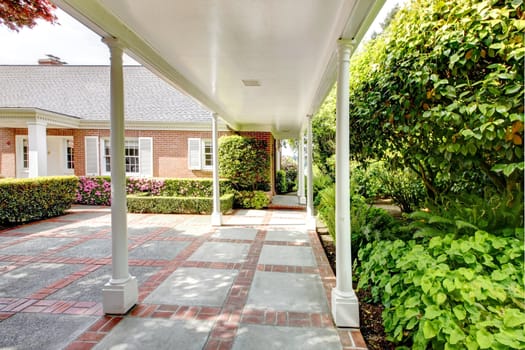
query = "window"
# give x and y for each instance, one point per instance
(131, 154)
(137, 156)
(207, 154)
(25, 154)
(70, 160)
(200, 154)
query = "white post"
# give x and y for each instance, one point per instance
(216, 216)
(345, 306)
(37, 143)
(310, 217)
(300, 170)
(121, 292)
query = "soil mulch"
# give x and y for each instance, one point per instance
(369, 314)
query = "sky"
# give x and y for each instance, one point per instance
(73, 43)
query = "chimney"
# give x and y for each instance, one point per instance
(51, 60)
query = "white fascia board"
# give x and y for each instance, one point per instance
(147, 125)
(20, 116)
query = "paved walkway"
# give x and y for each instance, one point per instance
(259, 282)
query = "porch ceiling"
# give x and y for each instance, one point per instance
(207, 48)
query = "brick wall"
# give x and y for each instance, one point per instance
(170, 149)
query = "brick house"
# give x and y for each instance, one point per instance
(167, 133)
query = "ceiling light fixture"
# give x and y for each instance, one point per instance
(248, 82)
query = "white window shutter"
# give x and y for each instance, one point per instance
(146, 156)
(92, 159)
(194, 154)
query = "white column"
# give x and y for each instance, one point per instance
(310, 217)
(216, 216)
(37, 143)
(121, 292)
(345, 306)
(300, 170)
(278, 153)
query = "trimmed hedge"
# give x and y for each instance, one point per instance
(176, 205)
(23, 200)
(194, 187)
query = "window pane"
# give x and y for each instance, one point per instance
(70, 161)
(107, 156)
(208, 154)
(131, 151)
(25, 153)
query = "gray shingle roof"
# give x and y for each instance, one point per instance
(83, 92)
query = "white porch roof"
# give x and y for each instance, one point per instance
(213, 51)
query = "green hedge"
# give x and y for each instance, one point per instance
(193, 187)
(23, 200)
(176, 205)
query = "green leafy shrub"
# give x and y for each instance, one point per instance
(404, 187)
(442, 88)
(23, 200)
(320, 182)
(367, 178)
(501, 215)
(245, 162)
(281, 185)
(368, 223)
(251, 199)
(449, 292)
(176, 205)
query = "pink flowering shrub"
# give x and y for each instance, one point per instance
(148, 186)
(94, 190)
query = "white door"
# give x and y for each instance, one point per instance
(22, 156)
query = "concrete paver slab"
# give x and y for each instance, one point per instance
(89, 288)
(142, 230)
(287, 236)
(42, 331)
(36, 246)
(158, 250)
(194, 286)
(82, 230)
(95, 248)
(236, 233)
(257, 337)
(287, 292)
(186, 231)
(221, 252)
(151, 333)
(38, 227)
(287, 255)
(26, 280)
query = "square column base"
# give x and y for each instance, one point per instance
(118, 299)
(345, 309)
(311, 223)
(302, 200)
(216, 219)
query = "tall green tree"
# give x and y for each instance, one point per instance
(442, 91)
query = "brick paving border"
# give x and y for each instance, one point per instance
(226, 319)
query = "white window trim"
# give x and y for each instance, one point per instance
(140, 173)
(203, 155)
(19, 161)
(64, 143)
